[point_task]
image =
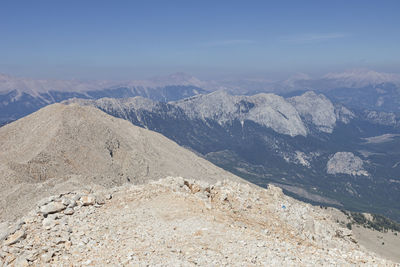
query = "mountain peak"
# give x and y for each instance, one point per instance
(178, 78)
(62, 141)
(362, 77)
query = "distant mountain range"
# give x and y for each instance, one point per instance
(20, 97)
(336, 145)
(360, 89)
(315, 149)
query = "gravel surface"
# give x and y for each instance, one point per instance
(178, 222)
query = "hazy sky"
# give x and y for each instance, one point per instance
(135, 39)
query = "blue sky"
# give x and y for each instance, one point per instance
(137, 39)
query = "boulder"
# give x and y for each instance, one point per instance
(88, 200)
(52, 207)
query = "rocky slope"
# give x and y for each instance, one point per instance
(66, 146)
(175, 221)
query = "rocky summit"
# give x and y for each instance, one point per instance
(180, 222)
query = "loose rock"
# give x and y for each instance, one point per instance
(88, 200)
(16, 237)
(52, 207)
(167, 223)
(69, 211)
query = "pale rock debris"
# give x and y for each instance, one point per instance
(346, 163)
(177, 221)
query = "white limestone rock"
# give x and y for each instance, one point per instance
(52, 207)
(88, 200)
(316, 109)
(268, 110)
(383, 118)
(343, 114)
(346, 163)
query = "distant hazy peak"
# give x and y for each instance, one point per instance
(4, 77)
(362, 77)
(178, 78)
(36, 86)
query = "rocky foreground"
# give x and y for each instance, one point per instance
(177, 222)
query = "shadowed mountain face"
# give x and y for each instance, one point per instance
(315, 149)
(62, 147)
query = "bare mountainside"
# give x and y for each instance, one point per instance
(64, 147)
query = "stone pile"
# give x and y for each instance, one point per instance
(175, 222)
(48, 224)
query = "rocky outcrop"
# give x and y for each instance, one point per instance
(176, 221)
(346, 163)
(268, 110)
(382, 118)
(343, 114)
(316, 109)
